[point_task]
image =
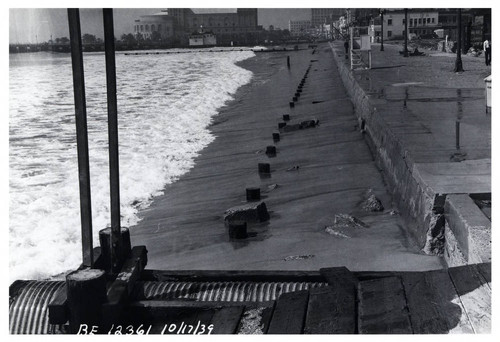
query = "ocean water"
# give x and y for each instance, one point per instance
(165, 103)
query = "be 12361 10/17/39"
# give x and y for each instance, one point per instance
(169, 328)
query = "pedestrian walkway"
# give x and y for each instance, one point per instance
(433, 135)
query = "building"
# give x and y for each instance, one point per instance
(320, 16)
(299, 27)
(420, 22)
(476, 25)
(158, 25)
(237, 26)
(202, 39)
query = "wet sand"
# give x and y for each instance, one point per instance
(184, 228)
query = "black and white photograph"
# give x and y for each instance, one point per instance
(202, 170)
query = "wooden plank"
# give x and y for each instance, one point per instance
(289, 314)
(485, 270)
(210, 275)
(271, 276)
(58, 309)
(123, 285)
(339, 276)
(169, 304)
(226, 320)
(433, 303)
(331, 311)
(382, 307)
(475, 295)
(256, 318)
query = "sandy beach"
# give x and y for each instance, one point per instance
(317, 173)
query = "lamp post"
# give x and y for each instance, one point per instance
(382, 12)
(458, 60)
(405, 53)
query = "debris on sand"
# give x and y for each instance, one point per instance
(250, 323)
(250, 212)
(343, 221)
(272, 187)
(299, 257)
(331, 230)
(458, 157)
(372, 203)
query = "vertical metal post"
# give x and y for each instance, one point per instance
(109, 46)
(405, 54)
(458, 61)
(382, 30)
(351, 42)
(457, 135)
(81, 135)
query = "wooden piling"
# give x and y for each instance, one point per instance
(288, 61)
(264, 168)
(238, 230)
(286, 117)
(86, 292)
(271, 151)
(253, 194)
(105, 237)
(276, 137)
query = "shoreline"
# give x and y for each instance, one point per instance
(184, 228)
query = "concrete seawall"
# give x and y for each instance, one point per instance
(419, 198)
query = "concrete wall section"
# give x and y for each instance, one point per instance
(416, 206)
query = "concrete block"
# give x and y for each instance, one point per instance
(470, 226)
(250, 213)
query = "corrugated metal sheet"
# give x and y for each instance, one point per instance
(28, 313)
(222, 291)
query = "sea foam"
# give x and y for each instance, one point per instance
(165, 104)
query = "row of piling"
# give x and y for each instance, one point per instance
(238, 229)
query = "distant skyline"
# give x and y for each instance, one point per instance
(31, 25)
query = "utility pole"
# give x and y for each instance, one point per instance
(382, 29)
(405, 53)
(458, 61)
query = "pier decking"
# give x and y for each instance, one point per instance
(331, 301)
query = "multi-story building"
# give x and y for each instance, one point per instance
(299, 27)
(320, 16)
(238, 26)
(476, 23)
(160, 24)
(420, 22)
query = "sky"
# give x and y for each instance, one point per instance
(38, 24)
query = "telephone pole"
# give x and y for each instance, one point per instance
(458, 61)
